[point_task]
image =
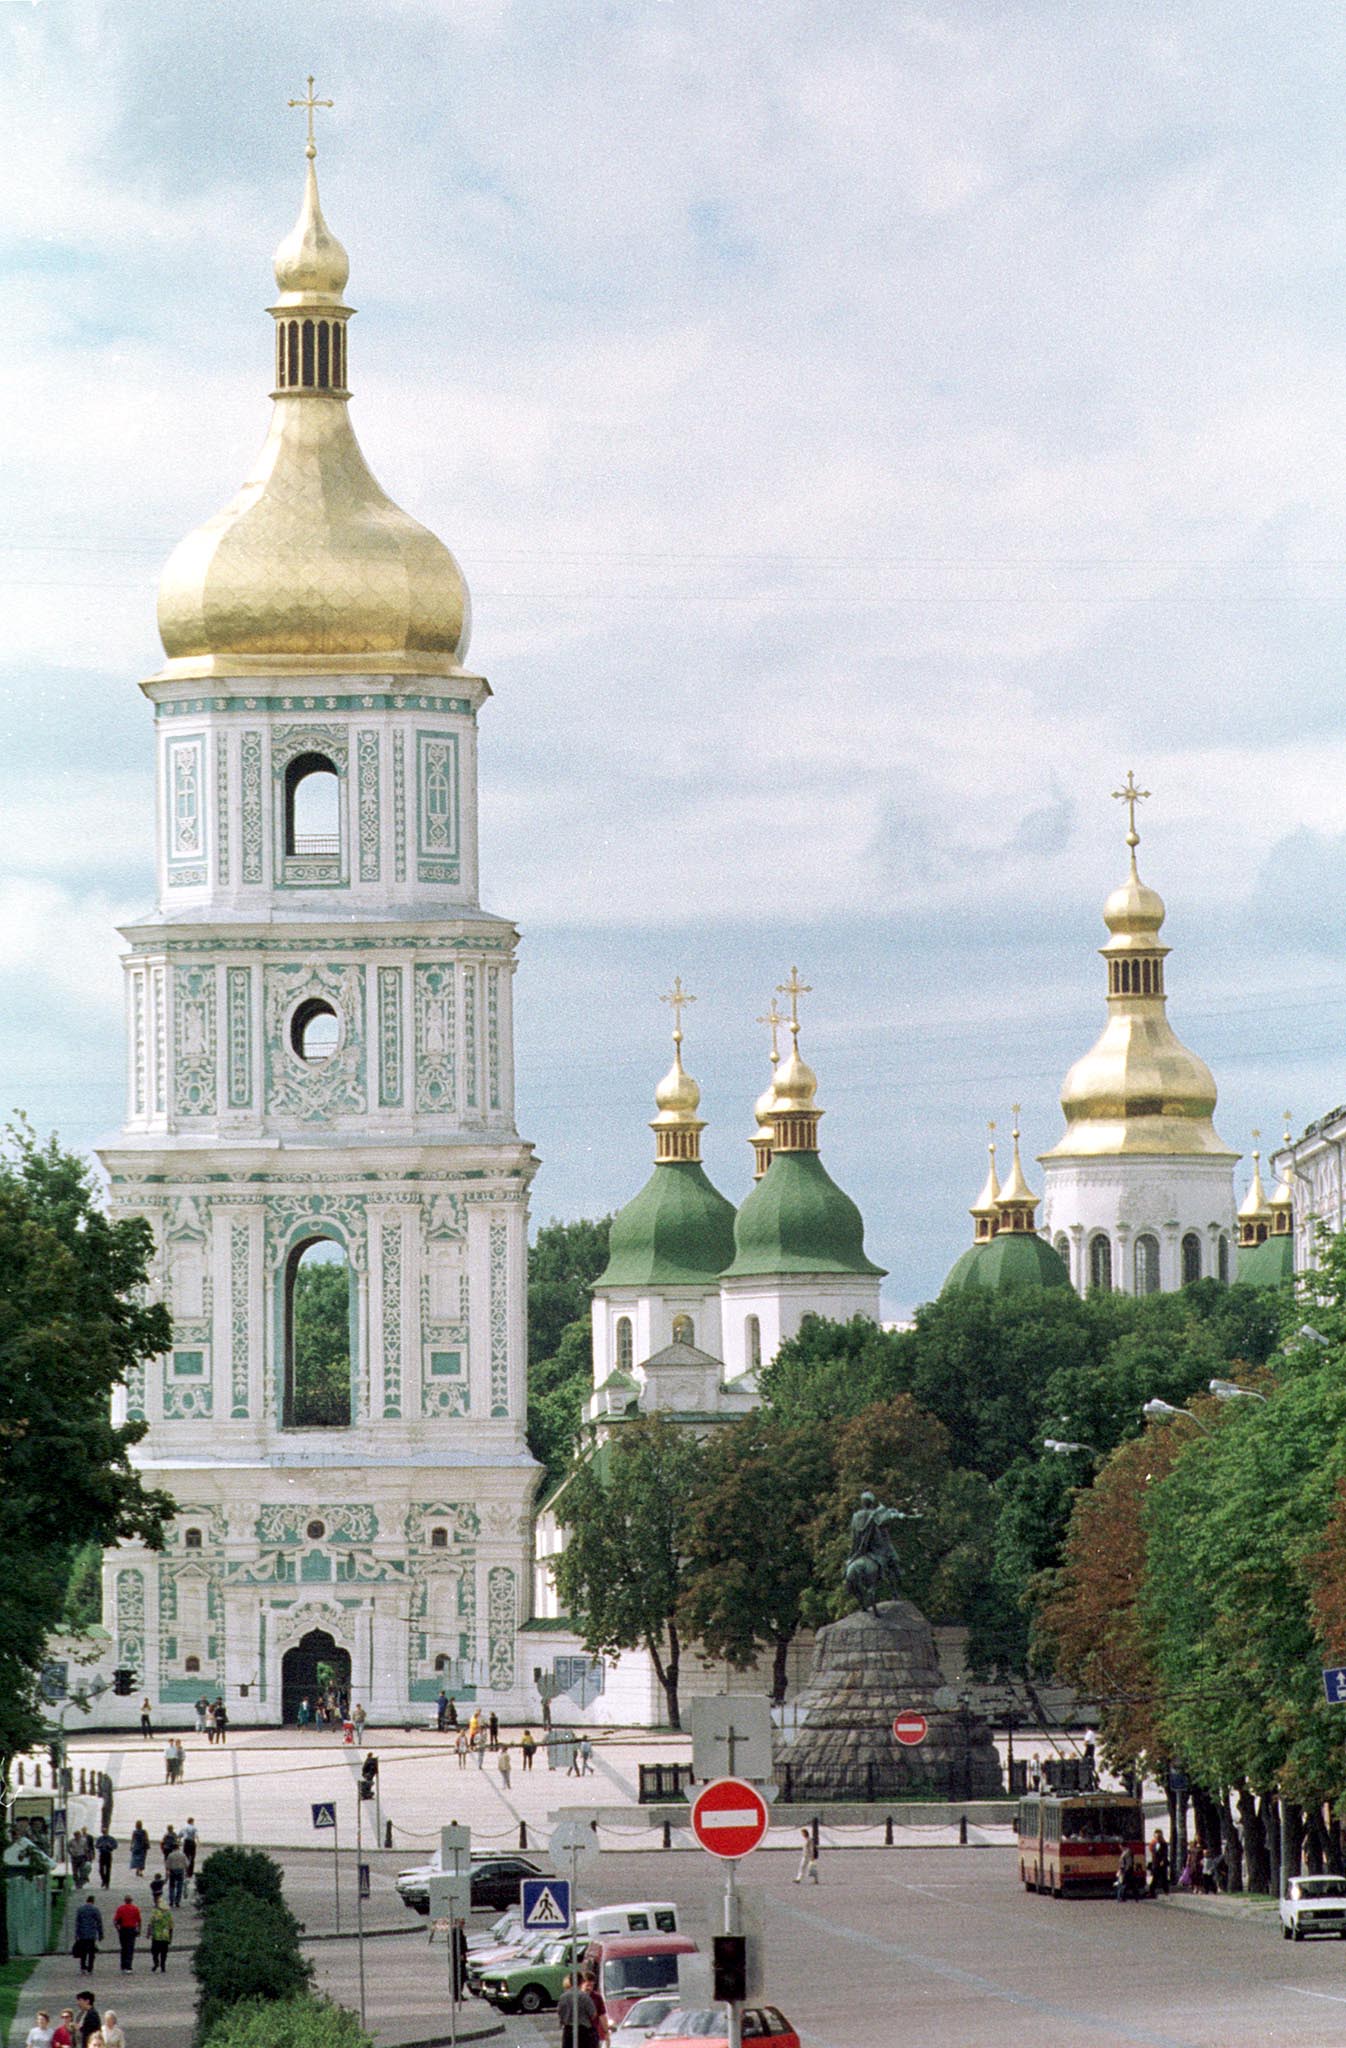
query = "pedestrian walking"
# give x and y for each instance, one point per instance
(358, 1719)
(157, 1883)
(87, 2021)
(179, 1761)
(126, 1920)
(589, 1985)
(168, 1841)
(202, 1709)
(161, 1939)
(573, 1767)
(140, 1848)
(146, 1721)
(221, 1722)
(579, 2020)
(493, 1724)
(1128, 1877)
(105, 1848)
(41, 2031)
(113, 2037)
(527, 1748)
(175, 1863)
(586, 1757)
(81, 1856)
(502, 1761)
(461, 1746)
(479, 1746)
(191, 1842)
(451, 1718)
(441, 1709)
(1158, 1863)
(303, 1714)
(808, 1857)
(63, 2033)
(170, 1760)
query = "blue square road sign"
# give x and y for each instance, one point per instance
(324, 1813)
(1334, 1685)
(546, 1904)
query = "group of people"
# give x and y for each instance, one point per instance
(328, 1709)
(212, 1719)
(1137, 1882)
(482, 1737)
(175, 1761)
(582, 2011)
(78, 2026)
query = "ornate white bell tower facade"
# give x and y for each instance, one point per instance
(319, 1025)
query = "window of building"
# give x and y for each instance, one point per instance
(1147, 1264)
(439, 1539)
(1191, 1258)
(192, 1664)
(1100, 1261)
(1063, 1248)
(315, 1031)
(684, 1330)
(192, 1539)
(1222, 1257)
(441, 1663)
(753, 1342)
(319, 1316)
(312, 805)
(625, 1346)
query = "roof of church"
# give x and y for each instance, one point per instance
(678, 1231)
(1010, 1259)
(1269, 1264)
(684, 1355)
(797, 1220)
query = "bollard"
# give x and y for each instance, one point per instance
(815, 1834)
(387, 1834)
(668, 1835)
(523, 1834)
(888, 1832)
(962, 1831)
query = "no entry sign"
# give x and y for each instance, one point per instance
(911, 1728)
(729, 1818)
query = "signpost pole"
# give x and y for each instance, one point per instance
(336, 1868)
(359, 1902)
(574, 1955)
(731, 1927)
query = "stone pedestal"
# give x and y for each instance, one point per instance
(866, 1670)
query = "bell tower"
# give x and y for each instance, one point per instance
(320, 1068)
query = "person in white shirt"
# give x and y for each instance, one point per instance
(39, 2036)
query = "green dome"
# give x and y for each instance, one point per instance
(797, 1220)
(678, 1231)
(1269, 1264)
(1014, 1258)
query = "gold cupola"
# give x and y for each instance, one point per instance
(677, 1128)
(1016, 1205)
(310, 569)
(764, 1136)
(1139, 1091)
(1254, 1211)
(985, 1211)
(794, 1113)
(1282, 1203)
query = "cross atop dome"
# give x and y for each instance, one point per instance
(794, 988)
(309, 103)
(1129, 795)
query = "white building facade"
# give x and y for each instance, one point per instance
(320, 1049)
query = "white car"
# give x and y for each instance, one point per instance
(643, 2018)
(1314, 1905)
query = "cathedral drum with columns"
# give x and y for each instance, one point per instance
(320, 1069)
(1139, 1195)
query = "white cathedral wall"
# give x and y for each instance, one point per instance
(652, 1312)
(781, 1303)
(1123, 1198)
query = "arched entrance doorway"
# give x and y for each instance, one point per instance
(316, 1664)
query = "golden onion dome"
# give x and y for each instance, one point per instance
(795, 1086)
(988, 1201)
(1016, 1190)
(677, 1097)
(311, 568)
(1255, 1208)
(1139, 1090)
(764, 1105)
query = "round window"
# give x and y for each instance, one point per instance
(315, 1031)
(315, 1530)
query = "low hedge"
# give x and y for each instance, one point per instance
(303, 2022)
(248, 1870)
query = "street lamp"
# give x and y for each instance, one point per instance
(1061, 1447)
(1229, 1390)
(1314, 1336)
(1164, 1410)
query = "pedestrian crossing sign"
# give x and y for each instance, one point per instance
(546, 1904)
(324, 1813)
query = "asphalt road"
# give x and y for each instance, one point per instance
(900, 1948)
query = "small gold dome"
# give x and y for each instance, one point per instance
(764, 1105)
(310, 262)
(1016, 1189)
(1255, 1207)
(988, 1201)
(676, 1097)
(1135, 911)
(795, 1085)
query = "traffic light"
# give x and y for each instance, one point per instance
(369, 1771)
(123, 1682)
(731, 1967)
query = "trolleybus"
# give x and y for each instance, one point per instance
(1073, 1841)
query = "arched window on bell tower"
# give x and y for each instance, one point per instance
(312, 806)
(319, 1314)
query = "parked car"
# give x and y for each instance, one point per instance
(708, 2027)
(495, 1882)
(1314, 1905)
(643, 2018)
(509, 1927)
(530, 1983)
(490, 1962)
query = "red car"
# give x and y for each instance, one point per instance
(708, 2027)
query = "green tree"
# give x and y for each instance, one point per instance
(557, 1391)
(321, 1345)
(750, 1560)
(74, 1323)
(622, 1574)
(304, 2022)
(832, 1370)
(563, 1264)
(248, 1948)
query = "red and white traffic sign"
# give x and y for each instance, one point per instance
(729, 1817)
(911, 1728)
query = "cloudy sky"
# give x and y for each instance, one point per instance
(867, 431)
